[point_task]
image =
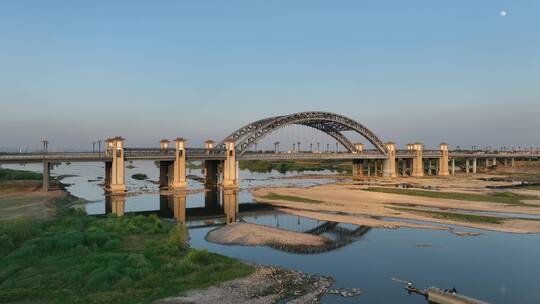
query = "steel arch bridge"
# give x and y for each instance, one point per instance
(330, 123)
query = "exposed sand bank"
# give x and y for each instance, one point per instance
(357, 206)
(257, 235)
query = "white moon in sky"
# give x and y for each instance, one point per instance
(503, 13)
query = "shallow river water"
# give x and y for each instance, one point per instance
(495, 267)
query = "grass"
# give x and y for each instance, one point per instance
(495, 197)
(10, 174)
(292, 198)
(459, 217)
(81, 259)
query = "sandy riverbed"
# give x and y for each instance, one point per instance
(357, 206)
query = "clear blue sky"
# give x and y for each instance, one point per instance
(429, 71)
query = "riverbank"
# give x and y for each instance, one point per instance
(265, 285)
(462, 200)
(51, 253)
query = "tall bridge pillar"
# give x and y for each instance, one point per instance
(115, 204)
(178, 173)
(474, 165)
(418, 162)
(230, 172)
(453, 166)
(164, 173)
(467, 166)
(357, 164)
(46, 176)
(389, 164)
(116, 174)
(443, 160)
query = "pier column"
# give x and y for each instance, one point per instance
(357, 170)
(164, 173)
(369, 168)
(230, 172)
(487, 163)
(513, 163)
(474, 165)
(494, 161)
(443, 160)
(357, 164)
(46, 176)
(453, 166)
(467, 166)
(178, 173)
(389, 164)
(117, 173)
(418, 161)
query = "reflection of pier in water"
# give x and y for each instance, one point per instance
(221, 207)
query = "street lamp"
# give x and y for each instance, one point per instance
(99, 145)
(93, 146)
(45, 145)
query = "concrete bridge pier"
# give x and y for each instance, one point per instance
(357, 170)
(46, 176)
(357, 164)
(474, 165)
(487, 163)
(177, 172)
(467, 166)
(116, 171)
(443, 160)
(512, 162)
(389, 164)
(230, 166)
(417, 162)
(453, 166)
(164, 173)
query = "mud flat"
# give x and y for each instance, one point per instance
(266, 285)
(256, 235)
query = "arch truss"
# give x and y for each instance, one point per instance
(329, 123)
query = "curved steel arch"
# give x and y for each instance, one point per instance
(329, 123)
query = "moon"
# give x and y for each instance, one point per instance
(503, 13)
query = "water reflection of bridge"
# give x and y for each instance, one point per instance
(221, 207)
(339, 237)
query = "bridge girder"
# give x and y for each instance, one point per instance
(329, 123)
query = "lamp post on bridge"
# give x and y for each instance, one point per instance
(336, 147)
(311, 147)
(298, 147)
(327, 148)
(99, 146)
(45, 145)
(318, 149)
(294, 147)
(93, 146)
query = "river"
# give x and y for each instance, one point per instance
(495, 267)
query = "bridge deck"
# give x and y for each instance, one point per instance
(201, 154)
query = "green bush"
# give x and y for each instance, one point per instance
(178, 237)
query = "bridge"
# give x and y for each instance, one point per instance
(221, 160)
